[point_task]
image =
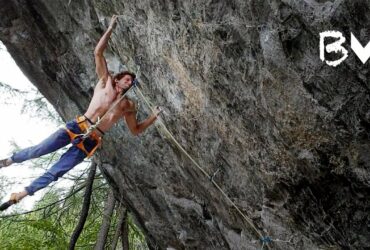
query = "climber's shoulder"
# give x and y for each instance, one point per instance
(128, 104)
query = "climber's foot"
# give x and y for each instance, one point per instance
(14, 198)
(5, 162)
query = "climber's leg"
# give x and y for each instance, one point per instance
(54, 142)
(68, 160)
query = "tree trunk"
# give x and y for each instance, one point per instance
(117, 233)
(85, 207)
(124, 231)
(107, 216)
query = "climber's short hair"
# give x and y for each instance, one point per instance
(121, 74)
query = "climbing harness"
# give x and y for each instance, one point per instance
(90, 131)
(78, 139)
(264, 239)
(93, 124)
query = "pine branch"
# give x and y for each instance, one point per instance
(12, 91)
(44, 207)
(51, 204)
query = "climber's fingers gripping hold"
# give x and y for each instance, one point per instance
(157, 110)
(113, 22)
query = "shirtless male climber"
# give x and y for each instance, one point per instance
(108, 90)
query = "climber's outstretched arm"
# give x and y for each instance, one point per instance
(134, 126)
(101, 64)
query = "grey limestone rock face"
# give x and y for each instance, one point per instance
(245, 93)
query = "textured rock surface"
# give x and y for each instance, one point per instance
(245, 92)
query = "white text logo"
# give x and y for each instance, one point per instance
(362, 52)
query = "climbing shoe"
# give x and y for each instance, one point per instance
(5, 205)
(5, 162)
(14, 198)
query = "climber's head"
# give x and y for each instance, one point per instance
(123, 80)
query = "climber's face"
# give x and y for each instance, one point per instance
(124, 83)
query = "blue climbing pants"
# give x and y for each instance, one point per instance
(67, 161)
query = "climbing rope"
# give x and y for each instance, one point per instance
(264, 240)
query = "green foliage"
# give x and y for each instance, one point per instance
(35, 107)
(52, 226)
(34, 104)
(5, 88)
(136, 237)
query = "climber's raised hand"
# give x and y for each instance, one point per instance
(113, 22)
(157, 110)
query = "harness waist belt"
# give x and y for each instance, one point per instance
(92, 123)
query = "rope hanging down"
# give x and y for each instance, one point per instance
(264, 239)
